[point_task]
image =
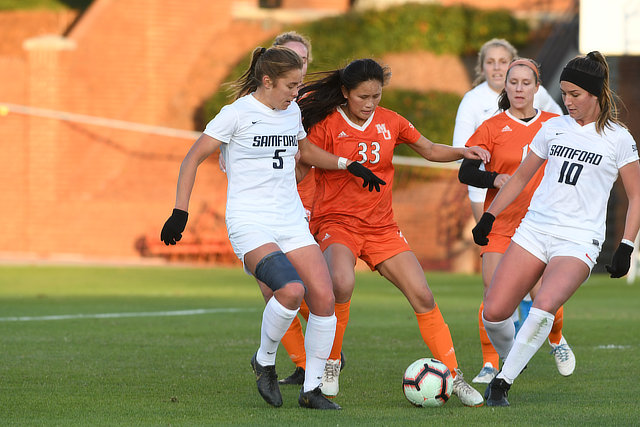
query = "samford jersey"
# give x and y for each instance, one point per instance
(339, 195)
(259, 146)
(507, 139)
(582, 165)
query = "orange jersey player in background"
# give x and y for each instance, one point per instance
(341, 114)
(507, 137)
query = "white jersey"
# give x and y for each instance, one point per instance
(582, 166)
(259, 147)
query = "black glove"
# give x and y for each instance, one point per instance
(173, 228)
(369, 177)
(483, 228)
(621, 261)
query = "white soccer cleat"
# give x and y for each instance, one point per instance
(486, 374)
(565, 359)
(329, 385)
(468, 395)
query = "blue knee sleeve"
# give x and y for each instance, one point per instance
(275, 270)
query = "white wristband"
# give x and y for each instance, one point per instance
(627, 242)
(342, 163)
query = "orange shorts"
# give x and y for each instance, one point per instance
(497, 243)
(371, 247)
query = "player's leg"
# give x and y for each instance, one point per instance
(271, 266)
(405, 272)
(490, 358)
(341, 262)
(560, 349)
(293, 341)
(519, 270)
(562, 277)
(321, 325)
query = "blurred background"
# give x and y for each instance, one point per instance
(100, 101)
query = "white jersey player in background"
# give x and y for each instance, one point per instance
(562, 233)
(477, 105)
(260, 134)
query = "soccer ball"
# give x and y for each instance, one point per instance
(427, 382)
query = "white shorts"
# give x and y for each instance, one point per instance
(249, 236)
(477, 195)
(544, 246)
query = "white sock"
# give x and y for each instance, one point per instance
(318, 341)
(500, 334)
(276, 319)
(515, 317)
(532, 334)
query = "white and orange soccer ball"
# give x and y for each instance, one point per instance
(427, 382)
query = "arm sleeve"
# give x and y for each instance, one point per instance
(407, 133)
(223, 125)
(471, 174)
(626, 149)
(465, 124)
(539, 144)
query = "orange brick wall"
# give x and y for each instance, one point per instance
(93, 191)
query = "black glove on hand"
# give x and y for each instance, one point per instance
(369, 177)
(483, 228)
(621, 261)
(173, 228)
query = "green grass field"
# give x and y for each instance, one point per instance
(126, 346)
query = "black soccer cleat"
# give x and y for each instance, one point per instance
(314, 399)
(496, 393)
(297, 378)
(267, 382)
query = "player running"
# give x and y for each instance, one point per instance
(507, 137)
(260, 135)
(341, 113)
(560, 237)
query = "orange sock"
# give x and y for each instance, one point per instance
(556, 330)
(293, 342)
(342, 314)
(436, 335)
(489, 354)
(304, 310)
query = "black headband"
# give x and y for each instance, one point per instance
(588, 82)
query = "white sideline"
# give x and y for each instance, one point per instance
(121, 315)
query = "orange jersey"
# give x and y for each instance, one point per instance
(339, 195)
(307, 188)
(508, 139)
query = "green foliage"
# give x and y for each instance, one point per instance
(193, 370)
(44, 4)
(454, 30)
(432, 113)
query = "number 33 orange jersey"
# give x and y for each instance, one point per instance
(339, 195)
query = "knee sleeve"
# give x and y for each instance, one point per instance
(275, 270)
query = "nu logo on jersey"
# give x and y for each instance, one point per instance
(382, 128)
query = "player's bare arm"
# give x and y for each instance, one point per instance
(200, 150)
(444, 153)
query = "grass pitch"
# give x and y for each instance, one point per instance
(171, 346)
